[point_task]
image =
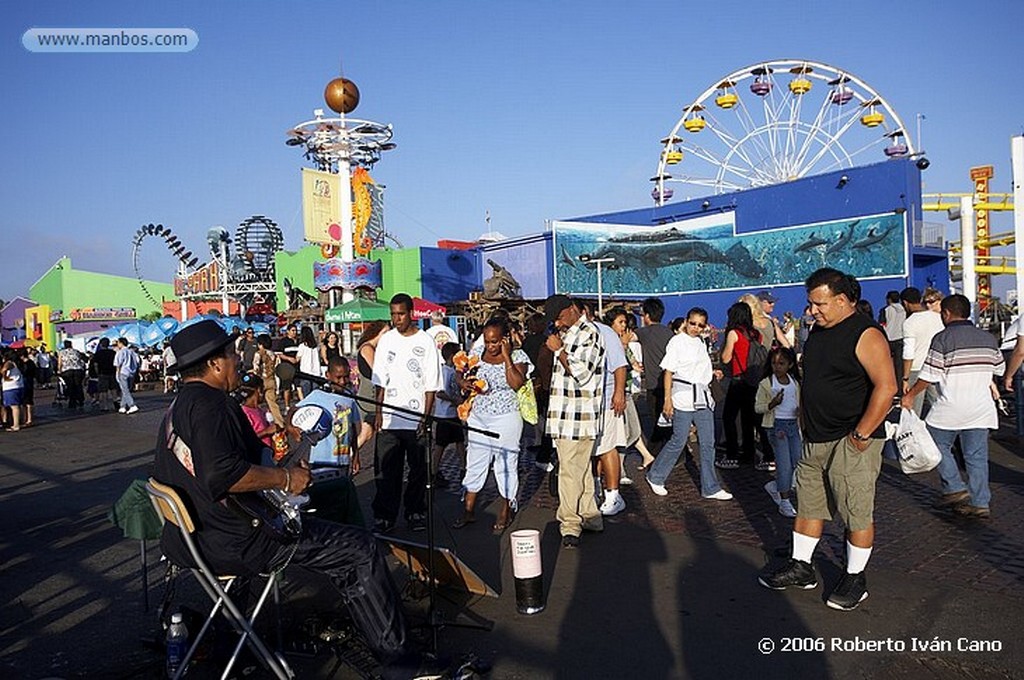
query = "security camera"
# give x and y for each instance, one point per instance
(706, 204)
(923, 163)
(844, 180)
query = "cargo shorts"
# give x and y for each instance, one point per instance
(835, 478)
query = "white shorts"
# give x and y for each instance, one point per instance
(614, 433)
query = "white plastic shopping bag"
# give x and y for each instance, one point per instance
(917, 449)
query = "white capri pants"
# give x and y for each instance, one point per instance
(481, 451)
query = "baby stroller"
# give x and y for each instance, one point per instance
(60, 396)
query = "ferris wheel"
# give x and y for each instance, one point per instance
(774, 122)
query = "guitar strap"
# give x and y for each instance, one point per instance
(174, 443)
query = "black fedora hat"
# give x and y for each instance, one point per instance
(195, 343)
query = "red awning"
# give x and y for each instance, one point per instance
(421, 309)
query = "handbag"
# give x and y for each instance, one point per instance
(527, 402)
(916, 448)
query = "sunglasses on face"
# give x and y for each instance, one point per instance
(696, 324)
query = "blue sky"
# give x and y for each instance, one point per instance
(530, 110)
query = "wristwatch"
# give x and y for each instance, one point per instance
(859, 437)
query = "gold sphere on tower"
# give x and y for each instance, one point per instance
(342, 95)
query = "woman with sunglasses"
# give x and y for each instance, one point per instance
(688, 402)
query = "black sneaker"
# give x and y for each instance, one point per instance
(851, 591)
(383, 526)
(417, 522)
(794, 573)
(569, 541)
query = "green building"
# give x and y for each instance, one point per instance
(64, 289)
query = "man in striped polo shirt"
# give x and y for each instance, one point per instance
(962, 361)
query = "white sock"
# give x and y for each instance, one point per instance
(856, 558)
(610, 495)
(803, 547)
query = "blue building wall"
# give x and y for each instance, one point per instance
(528, 259)
(449, 275)
(889, 187)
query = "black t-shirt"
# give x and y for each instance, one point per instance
(653, 341)
(223, 446)
(836, 388)
(103, 359)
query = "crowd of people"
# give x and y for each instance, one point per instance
(805, 398)
(105, 377)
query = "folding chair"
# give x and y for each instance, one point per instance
(169, 505)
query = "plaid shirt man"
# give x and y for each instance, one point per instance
(577, 394)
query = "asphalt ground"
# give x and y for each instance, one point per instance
(668, 590)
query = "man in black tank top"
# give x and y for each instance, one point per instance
(848, 387)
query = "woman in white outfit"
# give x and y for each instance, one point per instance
(495, 410)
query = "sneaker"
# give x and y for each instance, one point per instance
(793, 573)
(764, 465)
(968, 510)
(416, 522)
(786, 508)
(383, 526)
(613, 505)
(122, 410)
(544, 467)
(720, 495)
(570, 542)
(727, 463)
(773, 490)
(851, 591)
(949, 500)
(658, 489)
(625, 481)
(132, 409)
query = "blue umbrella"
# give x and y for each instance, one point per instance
(153, 335)
(132, 332)
(167, 324)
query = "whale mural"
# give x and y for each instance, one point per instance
(706, 253)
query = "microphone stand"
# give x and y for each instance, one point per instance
(434, 617)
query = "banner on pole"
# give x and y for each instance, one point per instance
(321, 207)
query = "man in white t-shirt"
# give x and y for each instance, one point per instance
(1013, 378)
(441, 333)
(920, 326)
(962, 362)
(406, 374)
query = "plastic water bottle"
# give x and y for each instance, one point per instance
(177, 644)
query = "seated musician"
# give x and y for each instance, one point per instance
(332, 494)
(216, 461)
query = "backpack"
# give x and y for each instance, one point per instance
(757, 359)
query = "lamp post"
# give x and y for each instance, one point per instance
(598, 261)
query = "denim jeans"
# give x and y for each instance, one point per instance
(785, 436)
(975, 446)
(123, 381)
(669, 455)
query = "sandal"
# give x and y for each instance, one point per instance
(463, 521)
(499, 527)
